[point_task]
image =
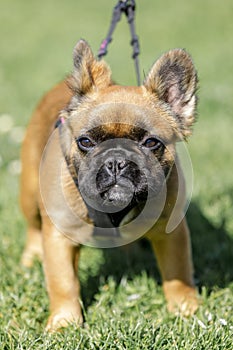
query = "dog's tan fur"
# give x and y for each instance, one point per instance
(60, 255)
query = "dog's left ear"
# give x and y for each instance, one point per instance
(173, 78)
(88, 73)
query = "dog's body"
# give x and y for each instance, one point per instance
(118, 147)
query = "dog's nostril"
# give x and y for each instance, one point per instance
(121, 164)
(110, 165)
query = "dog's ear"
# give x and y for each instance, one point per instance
(173, 79)
(88, 73)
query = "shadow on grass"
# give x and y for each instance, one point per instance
(212, 250)
(212, 255)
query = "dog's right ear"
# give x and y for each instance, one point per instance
(88, 74)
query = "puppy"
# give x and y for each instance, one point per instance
(99, 167)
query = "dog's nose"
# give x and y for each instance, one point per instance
(115, 165)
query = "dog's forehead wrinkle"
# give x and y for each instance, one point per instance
(108, 115)
(118, 119)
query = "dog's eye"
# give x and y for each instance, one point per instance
(85, 143)
(152, 143)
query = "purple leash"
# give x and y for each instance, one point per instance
(127, 7)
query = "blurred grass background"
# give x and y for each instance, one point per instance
(36, 43)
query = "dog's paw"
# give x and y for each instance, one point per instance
(31, 254)
(63, 319)
(181, 299)
(185, 306)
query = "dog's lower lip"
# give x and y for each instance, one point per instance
(116, 187)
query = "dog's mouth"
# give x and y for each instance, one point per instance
(118, 194)
(118, 200)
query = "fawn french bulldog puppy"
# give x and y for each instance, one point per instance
(114, 149)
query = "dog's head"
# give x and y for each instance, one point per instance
(118, 141)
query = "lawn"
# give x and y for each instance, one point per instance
(122, 296)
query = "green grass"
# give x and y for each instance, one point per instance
(122, 297)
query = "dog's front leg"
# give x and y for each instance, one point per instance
(173, 253)
(60, 264)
